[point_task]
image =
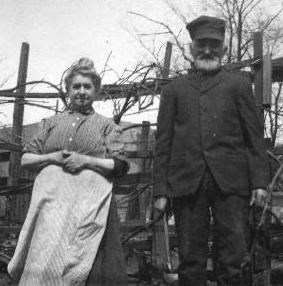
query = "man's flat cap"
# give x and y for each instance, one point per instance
(207, 27)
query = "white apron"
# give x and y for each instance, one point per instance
(63, 229)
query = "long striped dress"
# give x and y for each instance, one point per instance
(68, 213)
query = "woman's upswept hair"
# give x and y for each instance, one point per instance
(84, 67)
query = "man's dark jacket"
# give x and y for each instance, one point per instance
(211, 123)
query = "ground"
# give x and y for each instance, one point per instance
(5, 281)
(7, 246)
(8, 243)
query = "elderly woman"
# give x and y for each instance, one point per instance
(70, 235)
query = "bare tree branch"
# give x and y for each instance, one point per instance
(179, 45)
(60, 91)
(105, 65)
(176, 11)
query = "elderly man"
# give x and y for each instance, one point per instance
(210, 156)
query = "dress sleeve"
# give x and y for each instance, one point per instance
(115, 147)
(120, 168)
(35, 145)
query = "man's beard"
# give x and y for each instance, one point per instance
(207, 65)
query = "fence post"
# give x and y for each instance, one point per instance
(261, 262)
(267, 80)
(144, 197)
(18, 115)
(258, 75)
(159, 239)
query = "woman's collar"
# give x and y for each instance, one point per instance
(87, 111)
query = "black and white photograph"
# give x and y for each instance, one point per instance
(141, 143)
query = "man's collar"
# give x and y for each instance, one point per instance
(203, 82)
(204, 74)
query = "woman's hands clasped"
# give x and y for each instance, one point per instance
(73, 162)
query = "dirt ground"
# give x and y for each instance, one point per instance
(7, 246)
(5, 280)
(8, 242)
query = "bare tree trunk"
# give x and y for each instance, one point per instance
(274, 115)
(239, 37)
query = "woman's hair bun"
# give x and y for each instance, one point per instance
(83, 66)
(85, 62)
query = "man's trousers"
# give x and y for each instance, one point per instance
(230, 227)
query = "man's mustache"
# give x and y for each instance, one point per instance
(207, 57)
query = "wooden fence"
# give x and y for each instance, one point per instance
(262, 70)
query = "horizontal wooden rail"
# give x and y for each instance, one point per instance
(110, 91)
(11, 147)
(148, 154)
(131, 179)
(114, 91)
(4, 258)
(10, 228)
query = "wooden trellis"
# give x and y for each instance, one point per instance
(265, 71)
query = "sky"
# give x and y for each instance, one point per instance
(59, 32)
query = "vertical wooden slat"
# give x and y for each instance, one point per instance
(258, 75)
(267, 80)
(144, 198)
(160, 241)
(18, 205)
(167, 60)
(261, 262)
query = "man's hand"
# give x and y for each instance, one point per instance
(73, 162)
(160, 203)
(258, 197)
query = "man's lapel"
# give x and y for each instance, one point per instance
(201, 84)
(211, 82)
(194, 80)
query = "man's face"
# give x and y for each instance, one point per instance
(207, 53)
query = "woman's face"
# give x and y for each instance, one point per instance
(81, 92)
